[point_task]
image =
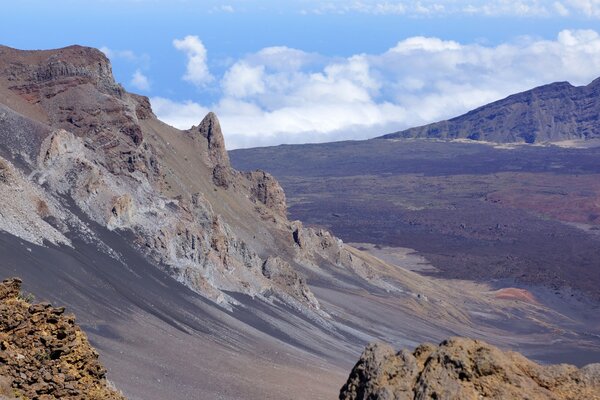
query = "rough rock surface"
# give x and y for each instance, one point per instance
(549, 113)
(69, 131)
(210, 129)
(44, 354)
(266, 190)
(462, 368)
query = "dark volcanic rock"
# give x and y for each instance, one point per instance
(464, 369)
(44, 354)
(554, 112)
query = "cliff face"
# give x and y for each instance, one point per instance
(71, 132)
(464, 369)
(549, 113)
(44, 354)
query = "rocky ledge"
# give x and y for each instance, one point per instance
(464, 369)
(44, 354)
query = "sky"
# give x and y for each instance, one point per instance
(300, 71)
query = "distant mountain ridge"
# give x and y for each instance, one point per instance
(550, 113)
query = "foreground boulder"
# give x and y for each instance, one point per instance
(464, 369)
(44, 354)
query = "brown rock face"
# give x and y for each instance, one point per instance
(37, 72)
(73, 89)
(217, 157)
(210, 128)
(266, 190)
(464, 369)
(44, 354)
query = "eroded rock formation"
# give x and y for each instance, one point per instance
(78, 135)
(464, 369)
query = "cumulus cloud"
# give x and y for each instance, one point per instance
(140, 81)
(182, 115)
(243, 80)
(196, 69)
(283, 95)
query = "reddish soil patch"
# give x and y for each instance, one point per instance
(516, 294)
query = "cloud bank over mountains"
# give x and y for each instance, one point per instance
(285, 95)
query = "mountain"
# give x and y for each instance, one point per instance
(66, 123)
(464, 369)
(549, 113)
(44, 353)
(185, 273)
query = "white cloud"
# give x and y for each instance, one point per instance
(426, 44)
(591, 8)
(222, 8)
(112, 54)
(283, 95)
(196, 70)
(179, 114)
(243, 80)
(519, 8)
(127, 55)
(561, 9)
(140, 81)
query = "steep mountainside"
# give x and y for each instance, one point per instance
(44, 354)
(550, 113)
(185, 273)
(175, 191)
(464, 369)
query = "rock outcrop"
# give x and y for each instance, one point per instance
(464, 369)
(210, 129)
(266, 190)
(44, 354)
(69, 131)
(549, 113)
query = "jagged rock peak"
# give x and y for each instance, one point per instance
(463, 369)
(210, 129)
(44, 354)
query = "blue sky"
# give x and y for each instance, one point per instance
(305, 71)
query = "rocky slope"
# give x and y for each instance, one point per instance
(550, 113)
(44, 354)
(185, 273)
(464, 369)
(68, 126)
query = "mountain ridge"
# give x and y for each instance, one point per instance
(554, 112)
(181, 266)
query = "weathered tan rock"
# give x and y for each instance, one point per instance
(464, 369)
(122, 211)
(44, 354)
(282, 274)
(266, 190)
